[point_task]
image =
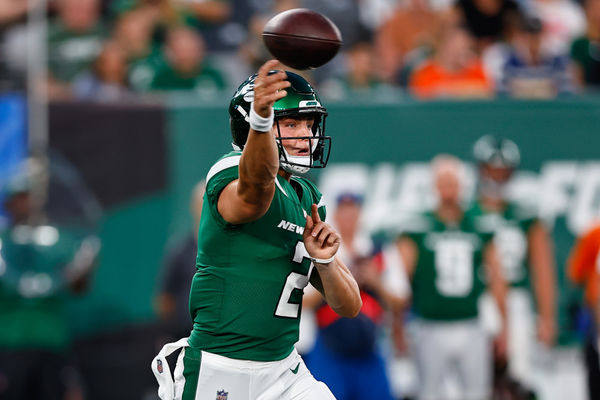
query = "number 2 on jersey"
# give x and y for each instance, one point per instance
(293, 281)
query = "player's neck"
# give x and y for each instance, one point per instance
(492, 204)
(283, 173)
(449, 213)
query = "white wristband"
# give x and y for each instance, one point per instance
(323, 261)
(258, 123)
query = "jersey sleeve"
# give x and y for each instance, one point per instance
(222, 173)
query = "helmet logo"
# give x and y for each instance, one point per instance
(309, 103)
(247, 91)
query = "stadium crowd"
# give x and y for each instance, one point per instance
(116, 49)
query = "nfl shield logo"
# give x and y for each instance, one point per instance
(222, 395)
(159, 366)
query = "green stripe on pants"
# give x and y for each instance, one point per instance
(191, 368)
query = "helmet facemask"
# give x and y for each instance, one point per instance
(319, 146)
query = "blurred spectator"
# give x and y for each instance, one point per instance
(210, 11)
(253, 50)
(39, 266)
(454, 70)
(208, 16)
(13, 10)
(345, 356)
(563, 21)
(75, 38)
(107, 79)
(584, 270)
(445, 256)
(485, 19)
(410, 26)
(178, 270)
(529, 70)
(134, 34)
(585, 51)
(160, 12)
(161, 15)
(184, 67)
(525, 252)
(15, 36)
(361, 77)
(133, 31)
(345, 14)
(214, 20)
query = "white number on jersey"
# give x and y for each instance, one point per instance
(454, 267)
(294, 281)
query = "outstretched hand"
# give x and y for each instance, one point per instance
(320, 239)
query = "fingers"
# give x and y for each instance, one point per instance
(314, 212)
(268, 88)
(308, 227)
(325, 235)
(266, 67)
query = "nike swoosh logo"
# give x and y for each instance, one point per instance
(295, 370)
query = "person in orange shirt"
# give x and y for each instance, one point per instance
(412, 25)
(584, 269)
(454, 70)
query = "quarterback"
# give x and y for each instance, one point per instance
(262, 239)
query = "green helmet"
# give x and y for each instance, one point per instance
(301, 101)
(497, 152)
(504, 157)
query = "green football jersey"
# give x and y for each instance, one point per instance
(447, 279)
(510, 237)
(246, 296)
(33, 289)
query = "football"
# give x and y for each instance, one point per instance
(301, 38)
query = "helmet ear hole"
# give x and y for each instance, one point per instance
(316, 128)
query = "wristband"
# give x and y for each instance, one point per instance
(323, 261)
(258, 123)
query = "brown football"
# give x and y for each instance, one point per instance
(301, 38)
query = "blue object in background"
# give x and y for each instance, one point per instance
(13, 140)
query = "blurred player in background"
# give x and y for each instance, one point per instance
(173, 298)
(346, 355)
(261, 233)
(525, 252)
(39, 266)
(584, 269)
(445, 258)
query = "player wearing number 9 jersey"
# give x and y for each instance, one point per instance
(261, 240)
(446, 258)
